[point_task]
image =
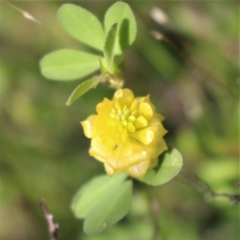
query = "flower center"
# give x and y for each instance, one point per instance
(129, 118)
(125, 116)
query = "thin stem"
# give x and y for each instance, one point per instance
(203, 188)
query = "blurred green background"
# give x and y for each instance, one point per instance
(192, 76)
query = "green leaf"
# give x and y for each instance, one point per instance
(109, 46)
(109, 210)
(122, 14)
(68, 64)
(83, 88)
(82, 25)
(93, 192)
(169, 166)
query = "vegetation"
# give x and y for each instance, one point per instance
(185, 56)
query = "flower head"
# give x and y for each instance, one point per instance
(127, 134)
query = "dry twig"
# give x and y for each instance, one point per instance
(52, 226)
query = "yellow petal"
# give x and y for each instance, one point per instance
(137, 157)
(99, 158)
(138, 170)
(119, 157)
(161, 131)
(89, 125)
(131, 118)
(118, 93)
(134, 105)
(156, 120)
(145, 110)
(126, 149)
(124, 134)
(147, 100)
(98, 149)
(108, 169)
(124, 97)
(109, 142)
(130, 127)
(104, 108)
(140, 122)
(160, 148)
(145, 136)
(117, 107)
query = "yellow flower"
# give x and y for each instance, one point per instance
(127, 134)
